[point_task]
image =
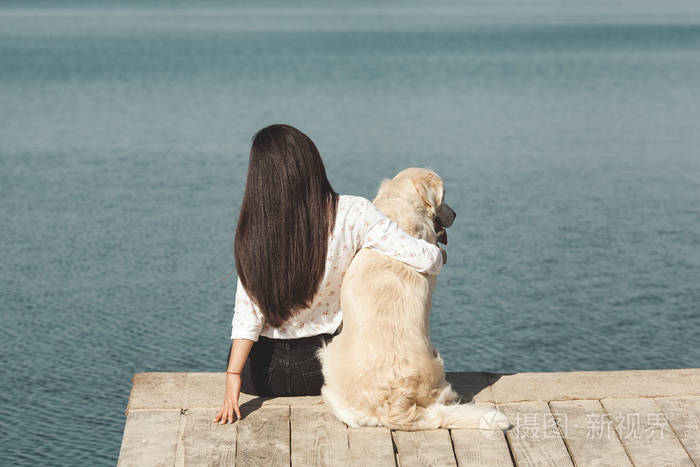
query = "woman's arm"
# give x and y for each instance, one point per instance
(245, 329)
(240, 348)
(384, 235)
(247, 320)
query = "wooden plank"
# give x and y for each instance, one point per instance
(205, 442)
(683, 413)
(156, 391)
(479, 447)
(189, 390)
(263, 437)
(371, 446)
(645, 433)
(595, 385)
(589, 433)
(206, 390)
(424, 448)
(318, 437)
(535, 438)
(150, 438)
(475, 448)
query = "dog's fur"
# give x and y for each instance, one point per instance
(382, 369)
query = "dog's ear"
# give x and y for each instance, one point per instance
(430, 189)
(385, 189)
(385, 185)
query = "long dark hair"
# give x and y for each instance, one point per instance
(287, 214)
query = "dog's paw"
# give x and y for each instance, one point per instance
(493, 419)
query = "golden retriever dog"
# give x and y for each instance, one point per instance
(382, 369)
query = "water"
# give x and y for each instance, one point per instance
(568, 137)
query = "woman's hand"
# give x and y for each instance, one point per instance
(233, 390)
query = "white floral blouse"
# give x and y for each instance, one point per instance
(358, 224)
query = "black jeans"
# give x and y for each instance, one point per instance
(283, 367)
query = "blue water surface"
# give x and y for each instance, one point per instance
(568, 136)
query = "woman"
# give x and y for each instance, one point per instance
(295, 239)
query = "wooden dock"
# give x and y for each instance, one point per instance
(616, 418)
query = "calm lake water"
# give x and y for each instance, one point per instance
(569, 139)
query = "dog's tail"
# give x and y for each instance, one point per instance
(465, 416)
(404, 413)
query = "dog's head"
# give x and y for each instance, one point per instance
(425, 190)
